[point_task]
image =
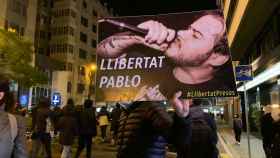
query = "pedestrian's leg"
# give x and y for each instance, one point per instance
(63, 154)
(88, 144)
(66, 153)
(81, 146)
(239, 136)
(235, 135)
(103, 131)
(47, 144)
(36, 145)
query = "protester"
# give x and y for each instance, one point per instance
(86, 128)
(198, 52)
(103, 120)
(145, 127)
(267, 133)
(12, 128)
(42, 125)
(237, 128)
(68, 127)
(57, 113)
(115, 122)
(204, 134)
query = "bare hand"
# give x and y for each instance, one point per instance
(182, 106)
(150, 94)
(159, 36)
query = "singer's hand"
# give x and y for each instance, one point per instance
(181, 106)
(158, 36)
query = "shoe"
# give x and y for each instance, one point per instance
(238, 143)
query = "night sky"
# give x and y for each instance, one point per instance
(150, 7)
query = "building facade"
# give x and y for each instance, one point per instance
(254, 39)
(66, 33)
(64, 36)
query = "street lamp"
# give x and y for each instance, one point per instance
(92, 70)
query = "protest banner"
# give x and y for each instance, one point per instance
(152, 57)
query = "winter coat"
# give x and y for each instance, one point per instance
(275, 149)
(267, 128)
(115, 119)
(203, 136)
(9, 147)
(43, 114)
(67, 126)
(237, 125)
(144, 131)
(103, 118)
(87, 121)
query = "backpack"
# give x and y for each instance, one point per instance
(203, 139)
(13, 125)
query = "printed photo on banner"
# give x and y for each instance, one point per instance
(150, 58)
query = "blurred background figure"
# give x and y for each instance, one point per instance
(86, 128)
(68, 127)
(115, 122)
(42, 124)
(275, 149)
(266, 121)
(103, 120)
(237, 128)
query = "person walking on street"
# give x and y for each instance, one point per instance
(42, 125)
(204, 134)
(115, 122)
(103, 119)
(67, 127)
(86, 128)
(57, 113)
(237, 128)
(267, 133)
(12, 128)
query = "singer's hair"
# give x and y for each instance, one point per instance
(221, 39)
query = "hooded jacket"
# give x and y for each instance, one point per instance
(9, 147)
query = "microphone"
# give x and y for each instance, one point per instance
(134, 29)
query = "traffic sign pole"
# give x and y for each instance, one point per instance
(247, 119)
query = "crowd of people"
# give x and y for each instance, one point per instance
(139, 129)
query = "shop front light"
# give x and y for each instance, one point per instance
(275, 106)
(262, 77)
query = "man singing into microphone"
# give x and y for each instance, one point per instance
(197, 52)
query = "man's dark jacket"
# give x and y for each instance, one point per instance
(144, 130)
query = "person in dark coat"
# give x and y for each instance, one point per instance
(275, 149)
(267, 133)
(145, 128)
(68, 127)
(87, 128)
(204, 134)
(57, 113)
(237, 128)
(43, 121)
(115, 122)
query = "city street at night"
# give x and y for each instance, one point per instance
(140, 79)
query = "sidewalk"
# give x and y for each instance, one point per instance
(240, 151)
